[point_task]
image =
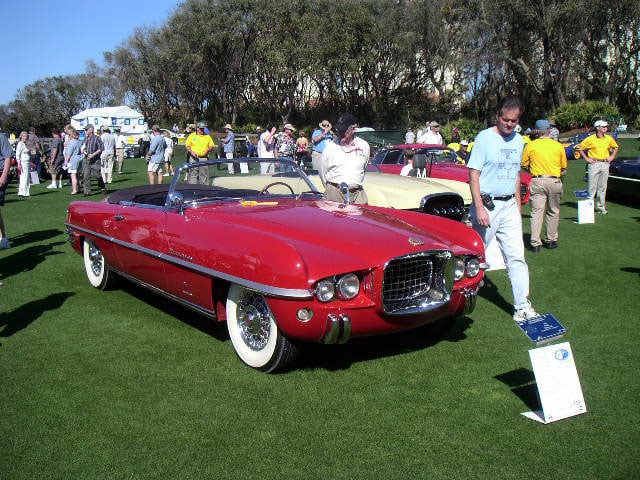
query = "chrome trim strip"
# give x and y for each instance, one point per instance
(259, 287)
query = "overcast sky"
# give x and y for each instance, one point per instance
(46, 38)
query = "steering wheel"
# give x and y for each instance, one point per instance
(267, 187)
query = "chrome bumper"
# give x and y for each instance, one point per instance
(338, 329)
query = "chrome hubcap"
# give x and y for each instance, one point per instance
(95, 257)
(254, 320)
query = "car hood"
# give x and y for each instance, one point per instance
(389, 190)
(321, 236)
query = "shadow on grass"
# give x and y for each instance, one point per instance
(21, 317)
(216, 329)
(27, 259)
(522, 383)
(630, 270)
(341, 357)
(490, 292)
(38, 236)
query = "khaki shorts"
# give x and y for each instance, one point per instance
(154, 167)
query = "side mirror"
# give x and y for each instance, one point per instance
(176, 200)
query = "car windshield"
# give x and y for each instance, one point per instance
(396, 156)
(245, 179)
(437, 155)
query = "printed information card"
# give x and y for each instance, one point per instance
(558, 383)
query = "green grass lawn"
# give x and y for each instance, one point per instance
(123, 384)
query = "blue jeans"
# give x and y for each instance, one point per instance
(506, 228)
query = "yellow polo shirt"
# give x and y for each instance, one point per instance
(199, 144)
(598, 148)
(544, 156)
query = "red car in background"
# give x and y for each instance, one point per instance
(437, 161)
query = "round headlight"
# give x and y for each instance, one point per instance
(348, 286)
(473, 267)
(326, 290)
(458, 272)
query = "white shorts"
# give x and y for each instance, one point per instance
(154, 167)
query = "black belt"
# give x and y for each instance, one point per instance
(504, 197)
(543, 176)
(357, 188)
(603, 160)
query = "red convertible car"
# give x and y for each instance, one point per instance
(436, 161)
(268, 254)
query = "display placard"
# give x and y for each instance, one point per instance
(586, 211)
(543, 329)
(558, 383)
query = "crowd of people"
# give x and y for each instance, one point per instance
(341, 158)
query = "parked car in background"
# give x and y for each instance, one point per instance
(624, 177)
(437, 161)
(278, 262)
(444, 198)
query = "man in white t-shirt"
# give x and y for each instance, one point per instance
(266, 145)
(432, 135)
(121, 144)
(344, 161)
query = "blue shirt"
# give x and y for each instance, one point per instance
(319, 147)
(497, 158)
(229, 142)
(5, 150)
(156, 149)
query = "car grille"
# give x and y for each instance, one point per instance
(417, 282)
(448, 205)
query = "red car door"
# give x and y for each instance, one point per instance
(139, 231)
(188, 249)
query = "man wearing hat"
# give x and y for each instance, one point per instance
(91, 162)
(598, 150)
(198, 146)
(432, 135)
(463, 153)
(344, 161)
(320, 138)
(547, 162)
(285, 143)
(228, 144)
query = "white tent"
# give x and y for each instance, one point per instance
(127, 119)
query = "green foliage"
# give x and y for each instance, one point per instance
(578, 115)
(392, 64)
(468, 128)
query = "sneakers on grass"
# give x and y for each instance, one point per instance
(4, 243)
(524, 314)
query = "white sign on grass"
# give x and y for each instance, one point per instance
(558, 383)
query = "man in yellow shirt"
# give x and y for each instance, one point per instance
(599, 150)
(198, 146)
(546, 161)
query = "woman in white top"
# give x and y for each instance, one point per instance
(23, 157)
(73, 157)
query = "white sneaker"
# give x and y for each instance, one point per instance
(53, 185)
(524, 314)
(165, 175)
(4, 243)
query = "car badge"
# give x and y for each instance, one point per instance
(415, 241)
